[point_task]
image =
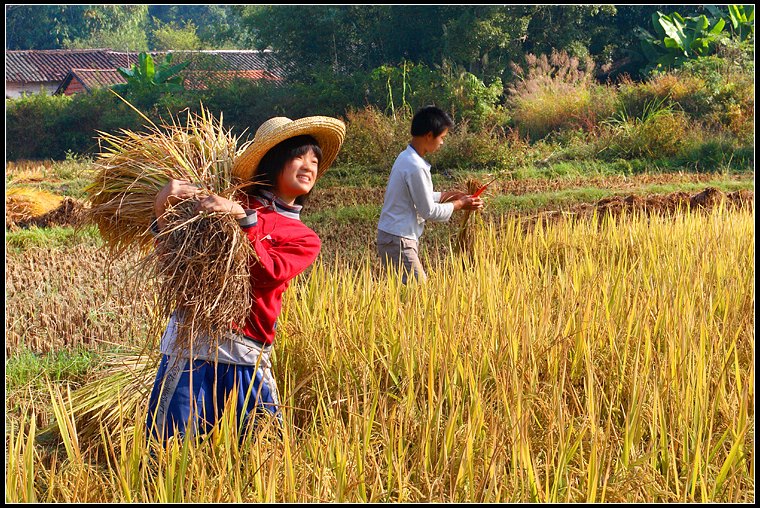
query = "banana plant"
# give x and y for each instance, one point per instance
(678, 39)
(742, 18)
(146, 76)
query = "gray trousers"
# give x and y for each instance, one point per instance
(400, 253)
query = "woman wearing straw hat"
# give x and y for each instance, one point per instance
(282, 164)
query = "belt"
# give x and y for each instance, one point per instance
(263, 345)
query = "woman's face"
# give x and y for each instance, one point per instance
(298, 176)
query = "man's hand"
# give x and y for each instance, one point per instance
(468, 203)
(447, 196)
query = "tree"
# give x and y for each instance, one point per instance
(58, 26)
(170, 36)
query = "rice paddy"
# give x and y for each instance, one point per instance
(596, 360)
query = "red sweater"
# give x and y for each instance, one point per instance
(285, 247)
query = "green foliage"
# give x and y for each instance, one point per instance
(60, 26)
(25, 368)
(478, 150)
(171, 36)
(41, 126)
(52, 238)
(742, 18)
(147, 78)
(716, 153)
(373, 139)
(658, 132)
(678, 39)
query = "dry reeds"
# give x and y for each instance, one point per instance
(199, 260)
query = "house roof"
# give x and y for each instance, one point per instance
(35, 66)
(197, 80)
(91, 78)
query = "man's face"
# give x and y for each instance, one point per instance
(436, 142)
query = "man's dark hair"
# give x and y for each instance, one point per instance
(273, 162)
(431, 119)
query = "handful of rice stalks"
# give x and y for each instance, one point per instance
(464, 237)
(200, 260)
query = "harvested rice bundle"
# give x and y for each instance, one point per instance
(201, 263)
(111, 400)
(464, 237)
(132, 168)
(200, 260)
(22, 204)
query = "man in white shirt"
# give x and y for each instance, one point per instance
(410, 199)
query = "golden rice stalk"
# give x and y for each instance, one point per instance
(113, 398)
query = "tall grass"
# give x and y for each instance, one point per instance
(602, 361)
(557, 92)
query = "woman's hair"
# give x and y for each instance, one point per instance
(431, 119)
(271, 165)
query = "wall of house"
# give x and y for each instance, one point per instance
(75, 86)
(14, 90)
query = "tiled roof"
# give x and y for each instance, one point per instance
(197, 80)
(34, 66)
(95, 78)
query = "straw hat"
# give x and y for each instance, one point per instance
(329, 133)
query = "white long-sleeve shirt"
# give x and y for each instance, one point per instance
(410, 199)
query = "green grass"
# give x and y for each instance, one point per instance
(344, 214)
(26, 368)
(354, 176)
(52, 238)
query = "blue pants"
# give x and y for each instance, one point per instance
(195, 395)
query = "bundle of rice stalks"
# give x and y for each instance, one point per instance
(133, 167)
(464, 238)
(23, 204)
(199, 260)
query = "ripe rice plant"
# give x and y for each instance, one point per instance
(581, 361)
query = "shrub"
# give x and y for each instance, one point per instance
(30, 122)
(558, 92)
(373, 139)
(658, 132)
(708, 153)
(486, 149)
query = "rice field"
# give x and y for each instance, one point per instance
(571, 361)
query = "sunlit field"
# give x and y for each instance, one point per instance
(602, 360)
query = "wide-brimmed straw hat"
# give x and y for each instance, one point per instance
(329, 133)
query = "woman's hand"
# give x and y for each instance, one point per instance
(214, 203)
(171, 194)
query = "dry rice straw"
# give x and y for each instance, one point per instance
(200, 261)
